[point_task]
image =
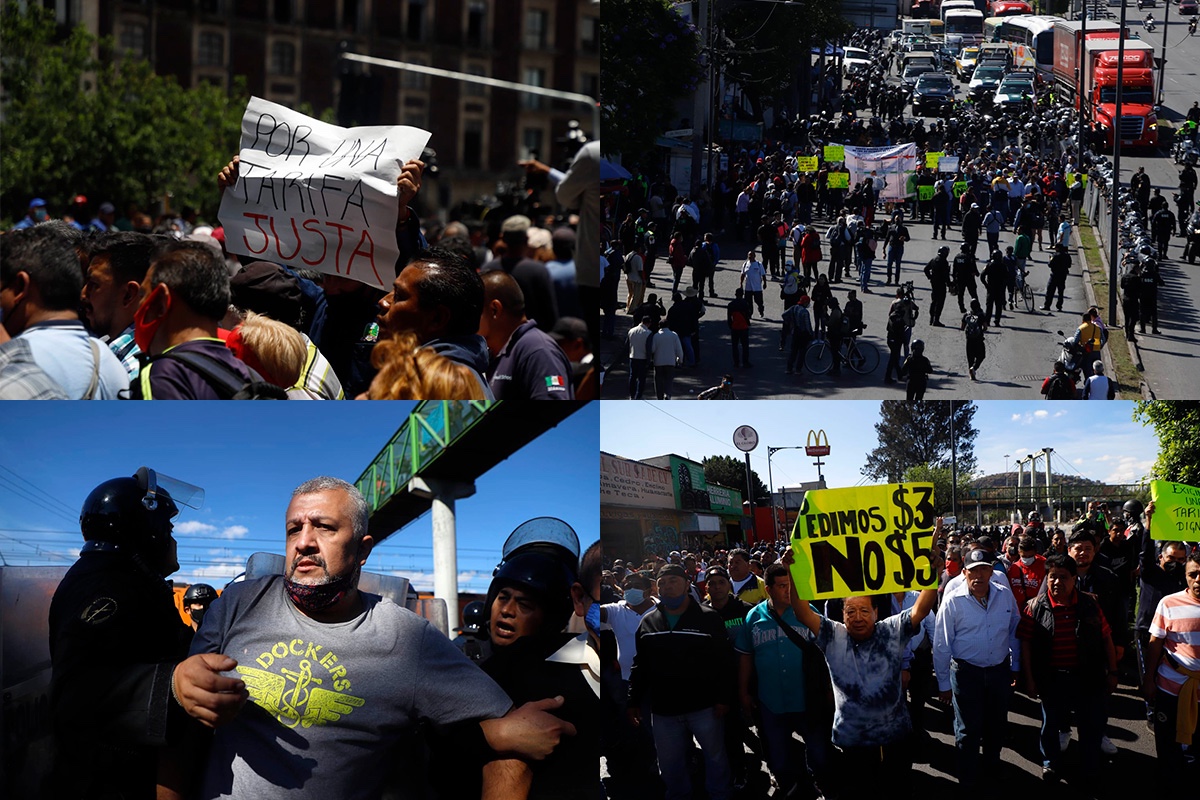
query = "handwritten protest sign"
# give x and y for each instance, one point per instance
(931, 159)
(835, 152)
(948, 164)
(864, 540)
(806, 163)
(960, 188)
(1176, 511)
(839, 180)
(924, 192)
(315, 196)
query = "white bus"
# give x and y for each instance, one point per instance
(1029, 34)
(965, 26)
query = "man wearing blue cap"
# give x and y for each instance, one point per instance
(36, 213)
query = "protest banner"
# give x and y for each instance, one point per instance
(806, 163)
(1176, 511)
(895, 164)
(931, 159)
(864, 540)
(839, 180)
(316, 196)
(948, 164)
(835, 152)
(960, 188)
(924, 192)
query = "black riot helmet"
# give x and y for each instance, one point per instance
(135, 514)
(200, 593)
(475, 615)
(1134, 509)
(542, 557)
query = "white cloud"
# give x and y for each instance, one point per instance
(1015, 417)
(1077, 461)
(1060, 413)
(1041, 413)
(221, 572)
(234, 532)
(194, 526)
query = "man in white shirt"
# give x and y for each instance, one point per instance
(638, 340)
(666, 351)
(753, 276)
(1099, 386)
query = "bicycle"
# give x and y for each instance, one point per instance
(1025, 290)
(861, 357)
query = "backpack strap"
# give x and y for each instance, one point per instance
(91, 390)
(219, 376)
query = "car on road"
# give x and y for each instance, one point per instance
(1013, 90)
(1190, 7)
(985, 80)
(933, 92)
(915, 69)
(855, 60)
(964, 65)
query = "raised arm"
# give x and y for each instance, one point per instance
(803, 611)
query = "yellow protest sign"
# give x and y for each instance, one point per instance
(931, 159)
(924, 192)
(835, 152)
(1176, 511)
(864, 540)
(806, 163)
(839, 180)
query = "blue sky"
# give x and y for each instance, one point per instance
(1098, 440)
(248, 457)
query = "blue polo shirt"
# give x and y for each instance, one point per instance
(778, 662)
(531, 367)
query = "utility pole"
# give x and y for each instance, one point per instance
(1113, 250)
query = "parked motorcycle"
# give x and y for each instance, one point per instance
(1071, 355)
(1184, 151)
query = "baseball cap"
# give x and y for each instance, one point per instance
(107, 208)
(568, 328)
(79, 200)
(716, 569)
(37, 202)
(264, 287)
(673, 569)
(517, 223)
(977, 558)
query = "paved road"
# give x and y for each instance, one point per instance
(1020, 352)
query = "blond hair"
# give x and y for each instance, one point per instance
(409, 372)
(275, 349)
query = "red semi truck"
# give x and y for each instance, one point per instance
(1093, 87)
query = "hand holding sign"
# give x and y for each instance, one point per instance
(408, 184)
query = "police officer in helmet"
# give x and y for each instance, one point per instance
(473, 639)
(115, 638)
(196, 600)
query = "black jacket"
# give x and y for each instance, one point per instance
(684, 669)
(1089, 634)
(1155, 583)
(115, 638)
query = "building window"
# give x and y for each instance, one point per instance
(589, 34)
(212, 50)
(282, 11)
(414, 80)
(476, 23)
(475, 89)
(133, 40)
(533, 142)
(534, 76)
(416, 119)
(473, 144)
(589, 84)
(415, 28)
(283, 58)
(535, 29)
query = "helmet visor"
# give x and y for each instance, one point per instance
(181, 492)
(542, 530)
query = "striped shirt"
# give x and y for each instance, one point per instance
(125, 349)
(1177, 621)
(1064, 652)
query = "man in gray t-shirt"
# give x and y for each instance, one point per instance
(336, 677)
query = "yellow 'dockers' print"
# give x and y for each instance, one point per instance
(300, 685)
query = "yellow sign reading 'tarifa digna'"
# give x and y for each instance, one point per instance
(1176, 511)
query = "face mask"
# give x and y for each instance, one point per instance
(1028, 560)
(635, 597)
(314, 599)
(592, 618)
(1173, 569)
(198, 615)
(673, 602)
(40, 214)
(143, 331)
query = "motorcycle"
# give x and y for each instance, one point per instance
(1184, 151)
(1148, 23)
(1071, 355)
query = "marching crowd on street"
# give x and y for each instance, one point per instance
(717, 645)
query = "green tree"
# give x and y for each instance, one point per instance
(651, 58)
(942, 481)
(81, 117)
(1177, 425)
(912, 434)
(731, 472)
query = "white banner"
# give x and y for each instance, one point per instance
(315, 196)
(897, 165)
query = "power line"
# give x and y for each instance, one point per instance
(65, 506)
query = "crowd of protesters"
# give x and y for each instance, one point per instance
(717, 646)
(101, 307)
(1005, 199)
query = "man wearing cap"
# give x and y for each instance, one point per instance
(77, 215)
(571, 336)
(527, 364)
(532, 276)
(977, 657)
(35, 214)
(684, 665)
(1028, 572)
(106, 215)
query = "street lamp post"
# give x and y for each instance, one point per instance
(770, 479)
